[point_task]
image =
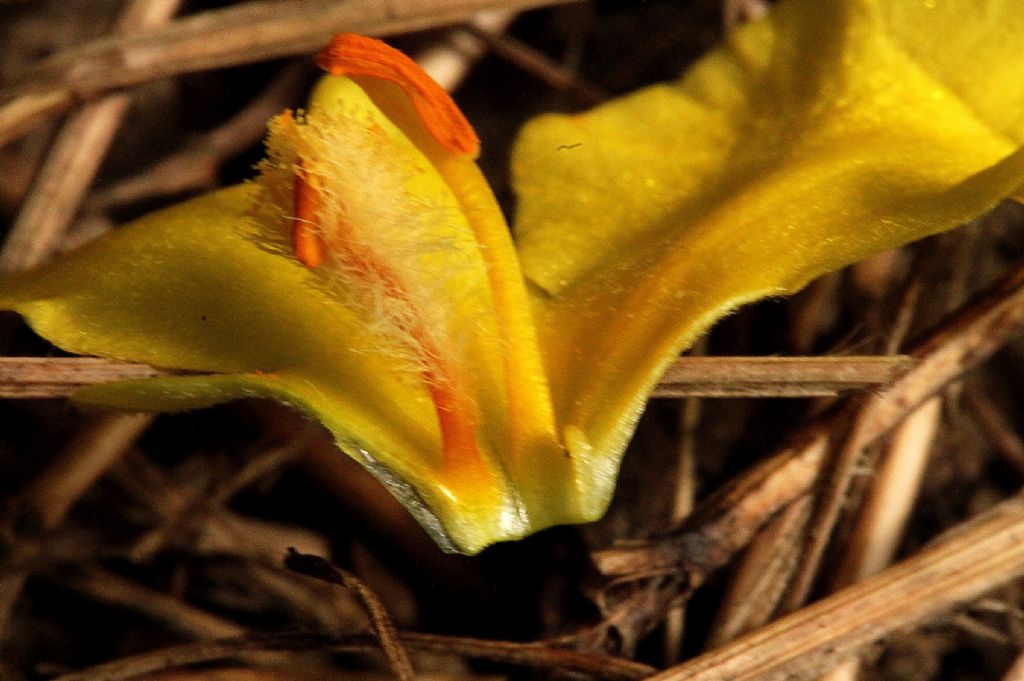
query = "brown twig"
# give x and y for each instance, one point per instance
(60, 376)
(771, 566)
(53, 201)
(383, 626)
(250, 32)
(195, 514)
(854, 453)
(540, 65)
(539, 655)
(884, 512)
(762, 576)
(93, 449)
(683, 500)
(211, 529)
(958, 567)
(776, 376)
(40, 377)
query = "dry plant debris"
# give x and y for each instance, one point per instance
(154, 547)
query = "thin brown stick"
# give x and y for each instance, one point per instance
(380, 619)
(250, 32)
(540, 65)
(60, 376)
(854, 452)
(777, 376)
(761, 577)
(61, 183)
(40, 377)
(195, 514)
(682, 506)
(539, 655)
(883, 514)
(885, 510)
(960, 566)
(96, 446)
(53, 201)
(71, 164)
(683, 501)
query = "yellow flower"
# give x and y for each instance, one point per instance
(368, 278)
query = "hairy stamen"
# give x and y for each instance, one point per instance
(455, 413)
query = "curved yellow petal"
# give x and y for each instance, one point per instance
(814, 138)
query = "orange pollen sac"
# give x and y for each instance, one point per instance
(307, 240)
(356, 55)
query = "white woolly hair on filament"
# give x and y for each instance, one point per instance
(369, 213)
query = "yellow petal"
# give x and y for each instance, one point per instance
(822, 134)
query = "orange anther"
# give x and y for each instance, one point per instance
(358, 55)
(307, 240)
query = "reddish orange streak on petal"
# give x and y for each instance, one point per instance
(454, 419)
(306, 238)
(358, 55)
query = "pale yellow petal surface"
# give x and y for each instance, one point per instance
(972, 48)
(812, 139)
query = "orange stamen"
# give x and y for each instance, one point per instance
(306, 237)
(358, 55)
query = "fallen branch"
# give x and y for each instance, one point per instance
(538, 655)
(240, 34)
(380, 619)
(60, 376)
(40, 377)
